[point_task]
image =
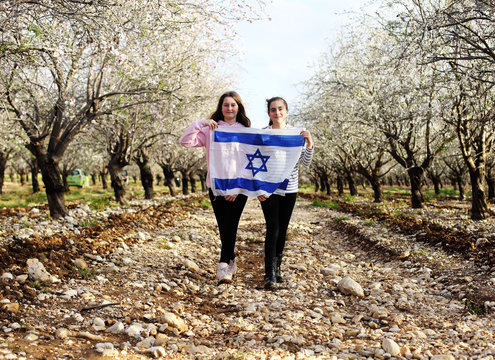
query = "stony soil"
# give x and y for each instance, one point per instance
(149, 289)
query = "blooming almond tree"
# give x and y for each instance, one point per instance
(9, 142)
(403, 102)
(390, 97)
(66, 70)
(355, 146)
(458, 38)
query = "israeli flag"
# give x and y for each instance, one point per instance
(252, 161)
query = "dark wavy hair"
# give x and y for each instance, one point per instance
(269, 101)
(241, 113)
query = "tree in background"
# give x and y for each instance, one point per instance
(374, 100)
(458, 39)
(69, 66)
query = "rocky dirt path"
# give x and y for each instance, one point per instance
(154, 295)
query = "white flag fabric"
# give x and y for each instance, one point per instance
(252, 161)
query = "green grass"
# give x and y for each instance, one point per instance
(90, 223)
(21, 199)
(475, 308)
(391, 190)
(99, 199)
(307, 188)
(443, 192)
(39, 285)
(378, 209)
(329, 204)
(369, 222)
(14, 195)
(85, 273)
(95, 198)
(99, 203)
(349, 198)
(38, 198)
(474, 302)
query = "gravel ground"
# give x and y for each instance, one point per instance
(139, 283)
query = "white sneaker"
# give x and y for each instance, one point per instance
(233, 267)
(226, 271)
(223, 273)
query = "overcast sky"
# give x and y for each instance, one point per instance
(279, 54)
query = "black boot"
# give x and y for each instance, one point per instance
(270, 279)
(277, 269)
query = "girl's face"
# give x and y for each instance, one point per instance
(278, 114)
(229, 109)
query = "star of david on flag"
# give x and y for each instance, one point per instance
(251, 158)
(252, 161)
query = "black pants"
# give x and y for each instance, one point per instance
(278, 211)
(228, 214)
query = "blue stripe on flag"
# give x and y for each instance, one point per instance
(259, 139)
(251, 185)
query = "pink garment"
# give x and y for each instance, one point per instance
(198, 135)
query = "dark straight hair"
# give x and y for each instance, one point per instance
(269, 101)
(241, 113)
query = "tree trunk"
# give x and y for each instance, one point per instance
(316, 184)
(147, 182)
(54, 188)
(142, 161)
(328, 191)
(2, 177)
(93, 178)
(34, 175)
(202, 179)
(436, 183)
(168, 178)
(416, 179)
(120, 157)
(65, 174)
(4, 156)
(103, 177)
(490, 182)
(171, 186)
(185, 183)
(371, 175)
(325, 183)
(117, 183)
(460, 185)
(479, 206)
(352, 185)
(340, 186)
(377, 189)
(192, 180)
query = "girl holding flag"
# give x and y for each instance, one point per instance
(278, 207)
(230, 112)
